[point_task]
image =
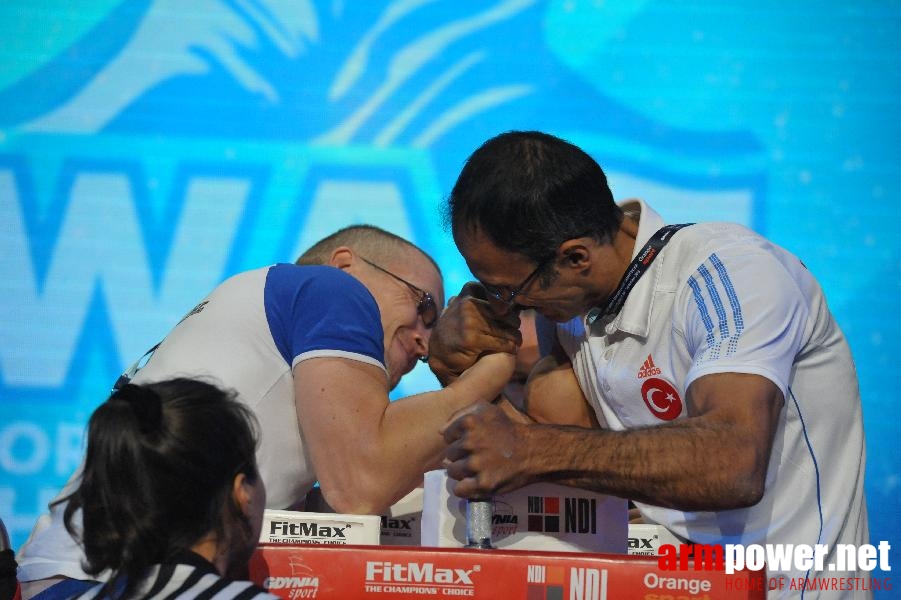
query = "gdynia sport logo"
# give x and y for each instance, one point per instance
(788, 566)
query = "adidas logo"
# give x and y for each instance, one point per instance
(648, 368)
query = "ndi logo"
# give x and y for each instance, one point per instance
(545, 582)
(587, 583)
(544, 513)
(579, 514)
(548, 582)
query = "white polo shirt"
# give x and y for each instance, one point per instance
(721, 299)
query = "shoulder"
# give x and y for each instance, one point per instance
(317, 289)
(718, 246)
(320, 276)
(707, 237)
(314, 279)
(313, 308)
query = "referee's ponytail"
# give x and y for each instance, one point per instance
(158, 475)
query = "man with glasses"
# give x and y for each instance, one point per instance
(694, 369)
(314, 349)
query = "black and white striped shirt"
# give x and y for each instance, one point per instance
(189, 576)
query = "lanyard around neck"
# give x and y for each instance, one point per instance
(633, 273)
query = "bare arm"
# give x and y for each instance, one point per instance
(368, 452)
(713, 460)
(553, 394)
(553, 397)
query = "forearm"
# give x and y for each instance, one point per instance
(411, 430)
(695, 464)
(390, 451)
(714, 459)
(554, 397)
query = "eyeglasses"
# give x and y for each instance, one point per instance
(425, 306)
(512, 294)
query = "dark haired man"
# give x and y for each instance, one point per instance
(704, 374)
(313, 349)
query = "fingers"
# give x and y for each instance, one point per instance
(474, 289)
(470, 484)
(480, 325)
(467, 479)
(456, 420)
(497, 312)
(454, 428)
(471, 323)
(494, 344)
(472, 456)
(458, 458)
(459, 445)
(513, 412)
(458, 462)
(476, 293)
(462, 421)
(468, 487)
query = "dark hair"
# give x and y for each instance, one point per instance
(375, 243)
(528, 192)
(158, 475)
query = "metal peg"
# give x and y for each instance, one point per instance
(479, 513)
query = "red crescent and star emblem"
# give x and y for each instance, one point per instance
(662, 398)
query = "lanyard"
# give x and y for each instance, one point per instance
(636, 269)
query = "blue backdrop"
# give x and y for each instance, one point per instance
(148, 149)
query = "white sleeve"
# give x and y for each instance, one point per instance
(743, 311)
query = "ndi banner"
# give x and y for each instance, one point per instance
(149, 149)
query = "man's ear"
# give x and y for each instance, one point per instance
(575, 254)
(342, 257)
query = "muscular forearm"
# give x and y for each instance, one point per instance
(390, 450)
(714, 459)
(409, 444)
(695, 464)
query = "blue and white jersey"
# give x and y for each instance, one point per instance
(721, 299)
(246, 336)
